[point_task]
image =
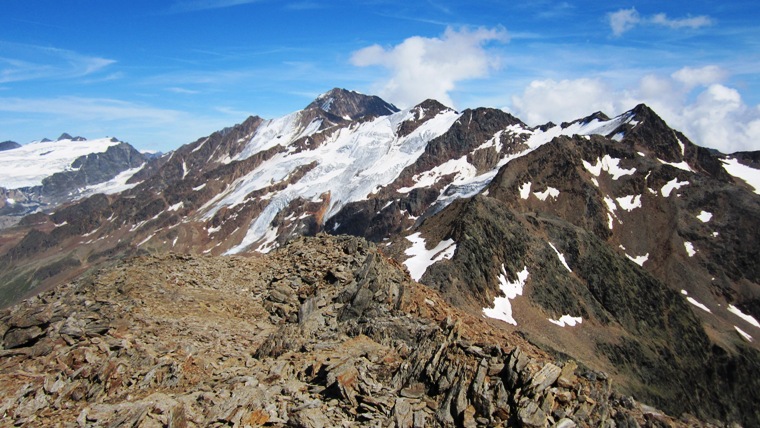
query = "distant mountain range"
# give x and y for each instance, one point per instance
(45, 174)
(616, 242)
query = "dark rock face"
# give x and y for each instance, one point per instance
(652, 336)
(9, 145)
(351, 105)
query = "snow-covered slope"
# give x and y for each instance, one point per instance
(28, 165)
(350, 165)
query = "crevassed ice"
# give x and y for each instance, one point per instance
(361, 159)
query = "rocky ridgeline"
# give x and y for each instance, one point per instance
(324, 332)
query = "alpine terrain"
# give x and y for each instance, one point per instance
(45, 174)
(356, 264)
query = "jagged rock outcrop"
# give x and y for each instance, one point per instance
(323, 332)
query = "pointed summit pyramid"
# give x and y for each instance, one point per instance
(351, 105)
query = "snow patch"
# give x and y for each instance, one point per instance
(550, 191)
(744, 335)
(704, 216)
(420, 258)
(199, 187)
(460, 167)
(750, 175)
(502, 308)
(689, 248)
(630, 202)
(269, 241)
(117, 184)
(567, 320)
(561, 257)
(611, 207)
(749, 318)
(697, 304)
(525, 190)
(639, 260)
(671, 185)
(609, 164)
(176, 207)
(680, 165)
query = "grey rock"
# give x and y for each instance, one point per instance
(531, 415)
(309, 418)
(565, 423)
(567, 377)
(18, 337)
(545, 377)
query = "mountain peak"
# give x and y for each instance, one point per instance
(9, 145)
(351, 105)
(67, 136)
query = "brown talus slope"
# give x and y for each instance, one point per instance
(324, 332)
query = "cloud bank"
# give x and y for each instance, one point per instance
(421, 68)
(692, 100)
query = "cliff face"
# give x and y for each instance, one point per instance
(322, 332)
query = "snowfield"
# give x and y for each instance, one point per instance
(27, 165)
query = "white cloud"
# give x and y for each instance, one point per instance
(691, 100)
(689, 22)
(195, 5)
(626, 19)
(423, 67)
(692, 77)
(623, 20)
(88, 108)
(550, 100)
(23, 62)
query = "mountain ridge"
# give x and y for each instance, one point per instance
(646, 241)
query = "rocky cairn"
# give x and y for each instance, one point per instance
(324, 332)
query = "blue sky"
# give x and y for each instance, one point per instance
(159, 74)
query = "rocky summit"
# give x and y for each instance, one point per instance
(325, 332)
(353, 263)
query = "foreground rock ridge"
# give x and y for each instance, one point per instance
(613, 242)
(324, 332)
